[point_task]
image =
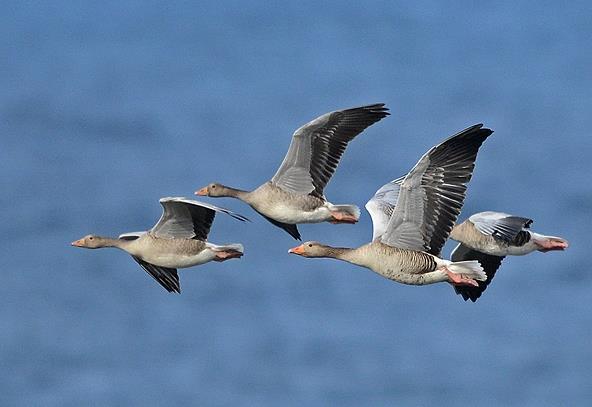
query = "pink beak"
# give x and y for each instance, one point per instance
(296, 250)
(202, 192)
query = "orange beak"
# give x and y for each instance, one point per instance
(297, 250)
(202, 192)
(77, 243)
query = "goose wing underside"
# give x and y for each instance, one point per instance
(166, 277)
(489, 263)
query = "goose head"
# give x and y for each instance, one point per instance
(311, 249)
(213, 189)
(90, 242)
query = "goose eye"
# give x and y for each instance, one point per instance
(310, 245)
(91, 238)
(213, 186)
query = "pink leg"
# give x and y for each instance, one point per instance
(227, 255)
(459, 279)
(342, 217)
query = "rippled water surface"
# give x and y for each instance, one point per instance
(106, 107)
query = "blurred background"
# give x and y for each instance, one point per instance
(108, 106)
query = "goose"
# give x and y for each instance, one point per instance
(295, 193)
(408, 237)
(486, 237)
(501, 234)
(178, 240)
(491, 236)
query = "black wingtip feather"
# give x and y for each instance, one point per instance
(291, 229)
(166, 277)
(238, 216)
(379, 110)
(489, 263)
(330, 141)
(457, 154)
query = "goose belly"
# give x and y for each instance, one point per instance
(396, 268)
(293, 214)
(403, 266)
(177, 260)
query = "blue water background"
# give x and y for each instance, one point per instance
(107, 106)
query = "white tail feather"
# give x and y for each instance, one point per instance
(470, 269)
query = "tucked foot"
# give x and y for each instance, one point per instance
(461, 280)
(342, 217)
(552, 243)
(227, 255)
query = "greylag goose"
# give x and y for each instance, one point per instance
(178, 240)
(408, 237)
(295, 193)
(501, 234)
(490, 236)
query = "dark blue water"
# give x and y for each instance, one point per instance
(107, 107)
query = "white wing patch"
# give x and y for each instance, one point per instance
(381, 206)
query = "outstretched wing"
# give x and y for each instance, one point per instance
(499, 225)
(166, 277)
(432, 193)
(381, 206)
(317, 146)
(489, 263)
(187, 219)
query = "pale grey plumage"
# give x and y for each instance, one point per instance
(187, 219)
(490, 236)
(432, 193)
(295, 194)
(500, 225)
(413, 216)
(178, 240)
(316, 148)
(381, 206)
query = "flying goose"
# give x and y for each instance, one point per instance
(490, 236)
(178, 240)
(408, 237)
(295, 193)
